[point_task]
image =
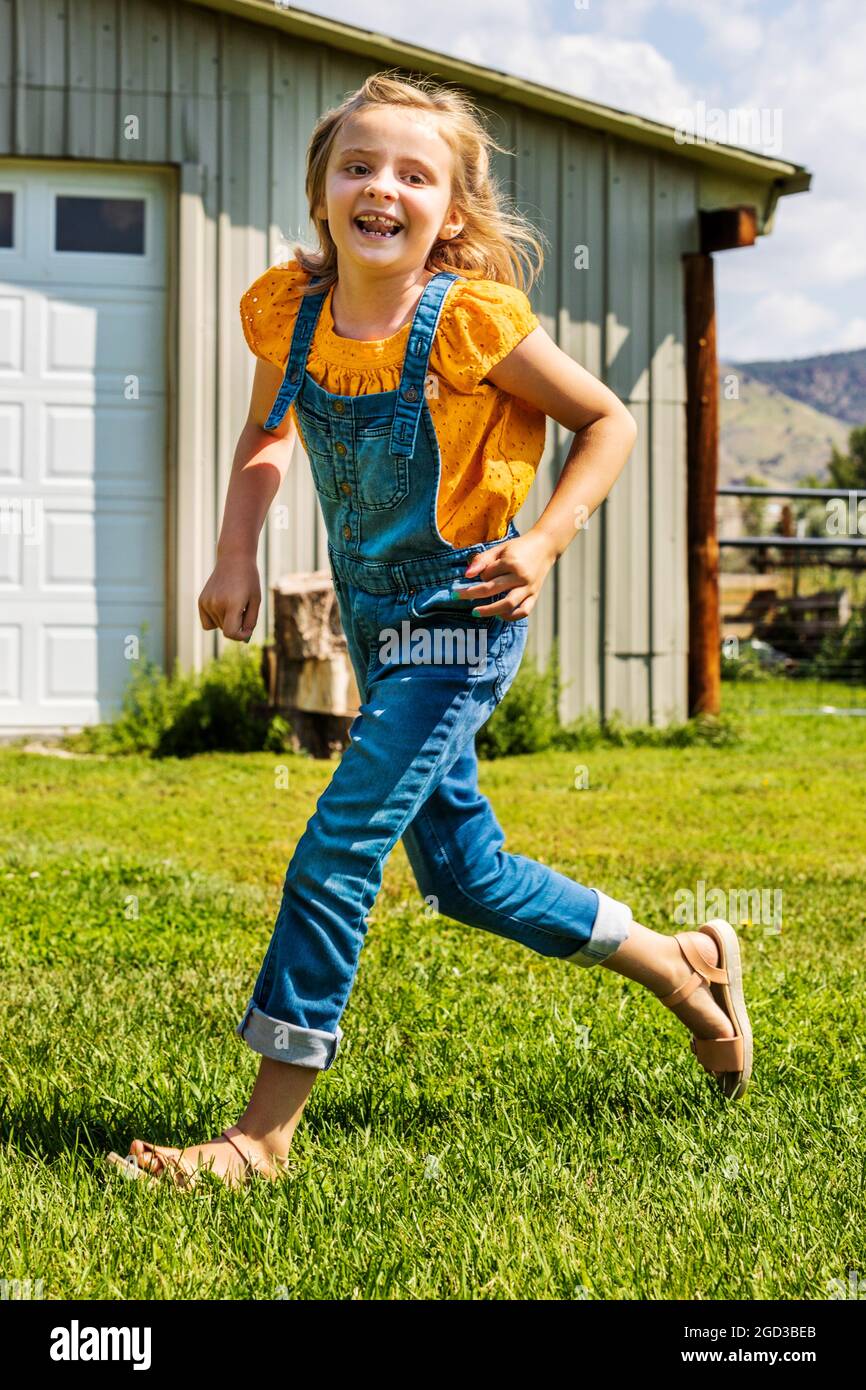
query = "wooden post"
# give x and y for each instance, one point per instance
(702, 432)
(788, 528)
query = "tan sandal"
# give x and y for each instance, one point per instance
(731, 1058)
(184, 1173)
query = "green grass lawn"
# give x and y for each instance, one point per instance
(497, 1124)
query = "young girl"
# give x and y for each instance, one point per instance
(405, 353)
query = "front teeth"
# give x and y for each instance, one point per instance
(364, 223)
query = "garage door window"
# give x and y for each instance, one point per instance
(6, 209)
(112, 225)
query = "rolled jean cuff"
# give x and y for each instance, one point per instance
(287, 1042)
(610, 929)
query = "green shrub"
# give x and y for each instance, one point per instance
(745, 666)
(588, 731)
(842, 654)
(224, 707)
(527, 721)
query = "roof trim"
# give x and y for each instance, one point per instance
(732, 159)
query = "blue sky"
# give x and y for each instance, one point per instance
(799, 291)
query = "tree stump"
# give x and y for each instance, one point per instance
(313, 683)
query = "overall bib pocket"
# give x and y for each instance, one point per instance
(382, 477)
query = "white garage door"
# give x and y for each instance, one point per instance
(82, 438)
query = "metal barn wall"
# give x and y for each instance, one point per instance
(231, 106)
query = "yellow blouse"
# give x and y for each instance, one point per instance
(490, 442)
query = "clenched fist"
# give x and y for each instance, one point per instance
(231, 598)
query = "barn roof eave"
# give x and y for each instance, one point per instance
(730, 174)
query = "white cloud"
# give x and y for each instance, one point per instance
(814, 245)
(518, 37)
(625, 16)
(782, 324)
(853, 335)
(817, 75)
(799, 58)
(629, 74)
(734, 30)
(435, 26)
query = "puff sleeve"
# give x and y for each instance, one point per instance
(268, 311)
(482, 321)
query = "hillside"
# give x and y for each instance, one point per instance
(771, 434)
(834, 383)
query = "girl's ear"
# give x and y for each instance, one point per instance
(452, 226)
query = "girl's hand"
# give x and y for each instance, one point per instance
(519, 565)
(231, 598)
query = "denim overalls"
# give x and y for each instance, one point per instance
(429, 675)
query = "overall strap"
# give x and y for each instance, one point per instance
(305, 327)
(410, 396)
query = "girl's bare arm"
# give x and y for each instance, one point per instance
(231, 598)
(261, 461)
(539, 372)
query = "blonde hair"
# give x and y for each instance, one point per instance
(496, 243)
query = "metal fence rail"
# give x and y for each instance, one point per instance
(838, 492)
(845, 494)
(798, 542)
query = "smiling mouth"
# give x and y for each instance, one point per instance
(377, 228)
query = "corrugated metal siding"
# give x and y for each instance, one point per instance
(233, 104)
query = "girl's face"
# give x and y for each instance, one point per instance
(393, 162)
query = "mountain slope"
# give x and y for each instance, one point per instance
(768, 433)
(834, 383)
